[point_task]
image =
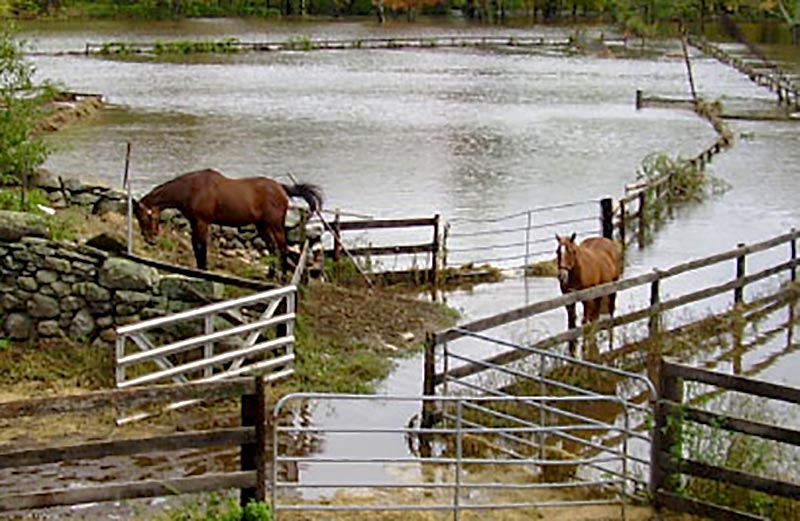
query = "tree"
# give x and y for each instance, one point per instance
(791, 14)
(22, 150)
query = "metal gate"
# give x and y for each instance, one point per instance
(487, 454)
(212, 342)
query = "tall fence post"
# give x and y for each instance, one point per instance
(428, 383)
(607, 217)
(253, 455)
(793, 254)
(738, 292)
(622, 222)
(666, 434)
(638, 99)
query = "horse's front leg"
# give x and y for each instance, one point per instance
(200, 244)
(571, 325)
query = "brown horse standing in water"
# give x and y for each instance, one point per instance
(595, 261)
(207, 197)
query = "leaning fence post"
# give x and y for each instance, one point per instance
(738, 292)
(607, 217)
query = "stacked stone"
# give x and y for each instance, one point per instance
(60, 289)
(65, 192)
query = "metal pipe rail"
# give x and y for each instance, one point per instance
(453, 489)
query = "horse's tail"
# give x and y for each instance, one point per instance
(311, 193)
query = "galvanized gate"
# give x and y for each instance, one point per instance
(488, 454)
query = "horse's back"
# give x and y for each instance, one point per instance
(608, 252)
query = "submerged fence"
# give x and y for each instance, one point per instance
(469, 359)
(672, 459)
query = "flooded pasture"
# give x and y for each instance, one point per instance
(464, 133)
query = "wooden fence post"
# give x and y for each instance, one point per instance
(428, 383)
(655, 315)
(622, 222)
(642, 217)
(607, 217)
(435, 253)
(253, 456)
(666, 429)
(638, 99)
(738, 292)
(793, 255)
(337, 243)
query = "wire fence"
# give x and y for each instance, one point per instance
(516, 240)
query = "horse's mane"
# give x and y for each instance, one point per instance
(161, 187)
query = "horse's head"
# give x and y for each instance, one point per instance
(566, 256)
(149, 220)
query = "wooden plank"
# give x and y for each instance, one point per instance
(230, 280)
(129, 490)
(729, 476)
(699, 508)
(127, 397)
(720, 421)
(386, 223)
(388, 250)
(735, 383)
(96, 450)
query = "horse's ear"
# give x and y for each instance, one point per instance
(572, 237)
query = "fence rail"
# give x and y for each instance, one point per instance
(776, 80)
(432, 248)
(308, 44)
(211, 364)
(672, 413)
(252, 393)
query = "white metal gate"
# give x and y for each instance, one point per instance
(236, 337)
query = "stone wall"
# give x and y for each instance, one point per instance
(54, 288)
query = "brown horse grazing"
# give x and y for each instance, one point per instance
(595, 261)
(207, 197)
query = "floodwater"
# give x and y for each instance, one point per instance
(464, 133)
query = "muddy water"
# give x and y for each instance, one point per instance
(398, 133)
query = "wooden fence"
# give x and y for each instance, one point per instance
(338, 227)
(775, 80)
(309, 44)
(671, 416)
(652, 311)
(640, 208)
(250, 436)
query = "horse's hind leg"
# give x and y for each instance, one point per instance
(199, 243)
(275, 237)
